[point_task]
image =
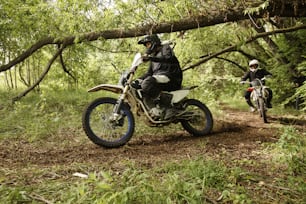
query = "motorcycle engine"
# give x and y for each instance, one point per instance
(156, 112)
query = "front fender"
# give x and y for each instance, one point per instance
(108, 87)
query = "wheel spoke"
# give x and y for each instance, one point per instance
(198, 120)
(104, 127)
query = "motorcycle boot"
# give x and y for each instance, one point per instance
(269, 97)
(252, 108)
(269, 105)
(149, 102)
(153, 108)
(165, 103)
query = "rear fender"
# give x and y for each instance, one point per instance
(179, 95)
(108, 87)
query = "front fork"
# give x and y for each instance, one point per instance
(116, 112)
(260, 94)
(255, 98)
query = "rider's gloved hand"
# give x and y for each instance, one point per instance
(136, 84)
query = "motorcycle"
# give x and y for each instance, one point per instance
(109, 122)
(259, 95)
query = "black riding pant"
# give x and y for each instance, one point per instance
(152, 89)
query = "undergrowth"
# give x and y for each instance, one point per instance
(200, 180)
(42, 114)
(193, 181)
(289, 155)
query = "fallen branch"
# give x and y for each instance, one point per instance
(193, 22)
(39, 198)
(280, 188)
(209, 200)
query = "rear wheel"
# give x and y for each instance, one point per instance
(200, 122)
(105, 128)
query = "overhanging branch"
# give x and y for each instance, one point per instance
(235, 47)
(194, 22)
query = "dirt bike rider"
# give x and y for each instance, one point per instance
(256, 73)
(164, 72)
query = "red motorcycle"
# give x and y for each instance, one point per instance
(259, 95)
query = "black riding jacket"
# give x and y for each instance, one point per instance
(164, 62)
(258, 74)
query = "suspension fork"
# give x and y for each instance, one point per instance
(120, 101)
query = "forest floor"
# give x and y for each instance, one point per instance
(237, 136)
(239, 132)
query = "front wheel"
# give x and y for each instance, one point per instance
(201, 121)
(105, 128)
(262, 110)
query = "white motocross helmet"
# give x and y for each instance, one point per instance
(253, 62)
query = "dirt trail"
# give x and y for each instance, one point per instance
(233, 134)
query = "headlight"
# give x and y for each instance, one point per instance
(255, 83)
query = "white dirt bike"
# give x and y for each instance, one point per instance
(109, 122)
(259, 95)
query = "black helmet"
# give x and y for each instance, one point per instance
(153, 39)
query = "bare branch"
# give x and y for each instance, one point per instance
(64, 66)
(247, 55)
(59, 51)
(235, 63)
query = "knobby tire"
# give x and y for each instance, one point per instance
(263, 113)
(202, 123)
(103, 131)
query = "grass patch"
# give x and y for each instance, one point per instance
(190, 181)
(41, 115)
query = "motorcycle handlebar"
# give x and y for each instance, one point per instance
(249, 82)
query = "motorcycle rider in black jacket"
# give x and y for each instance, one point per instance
(164, 72)
(256, 73)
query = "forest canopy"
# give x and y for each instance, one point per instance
(85, 41)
